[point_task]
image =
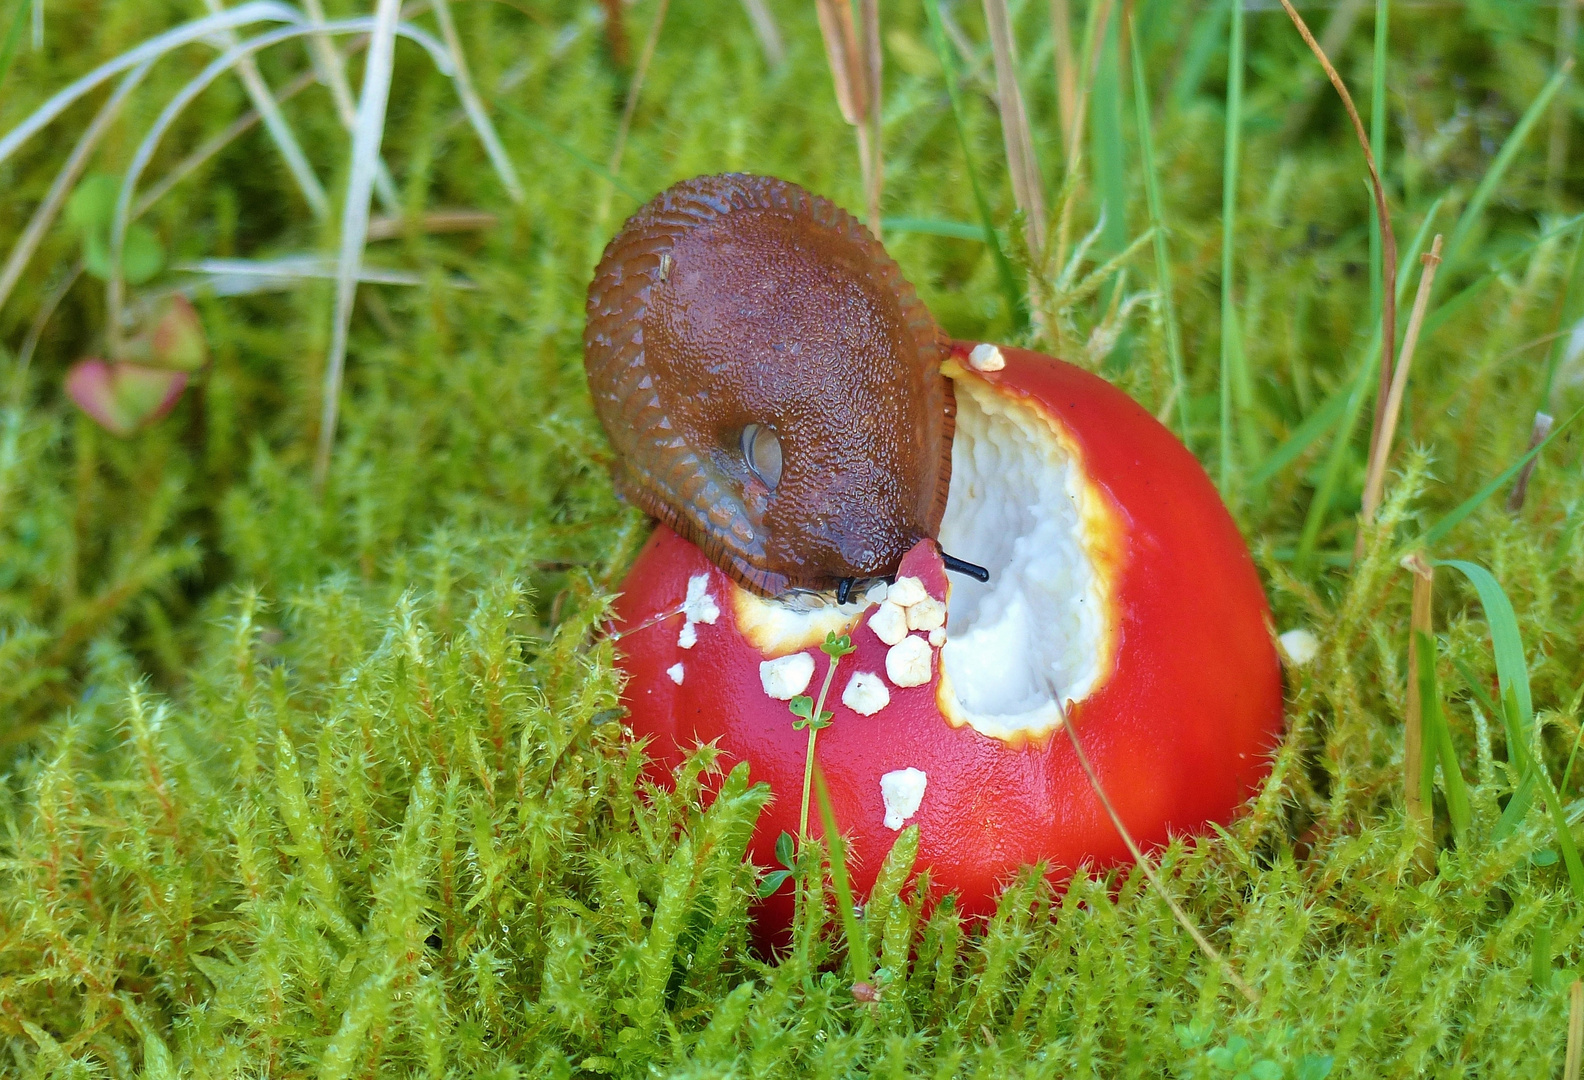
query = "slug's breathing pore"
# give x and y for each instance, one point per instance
(770, 382)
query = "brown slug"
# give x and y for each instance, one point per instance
(770, 382)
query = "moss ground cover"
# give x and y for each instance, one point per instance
(305, 782)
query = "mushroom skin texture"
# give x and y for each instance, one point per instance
(1179, 711)
(770, 383)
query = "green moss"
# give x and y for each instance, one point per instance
(336, 784)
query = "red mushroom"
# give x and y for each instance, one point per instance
(1118, 584)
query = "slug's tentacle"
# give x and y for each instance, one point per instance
(770, 382)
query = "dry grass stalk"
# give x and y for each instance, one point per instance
(1543, 422)
(1416, 811)
(1073, 150)
(1380, 453)
(1382, 212)
(65, 180)
(1066, 68)
(1557, 151)
(263, 98)
(331, 69)
(615, 32)
(437, 221)
(1333, 39)
(1181, 916)
(1575, 1040)
(855, 72)
(767, 31)
(634, 89)
(1028, 188)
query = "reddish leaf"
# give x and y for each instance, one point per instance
(122, 398)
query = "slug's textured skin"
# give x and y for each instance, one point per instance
(736, 300)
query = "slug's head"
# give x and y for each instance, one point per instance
(771, 384)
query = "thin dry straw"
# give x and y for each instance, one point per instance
(1575, 1036)
(218, 142)
(1028, 189)
(1154, 878)
(152, 49)
(766, 30)
(1557, 151)
(634, 89)
(1416, 810)
(1375, 477)
(1066, 68)
(332, 73)
(1090, 62)
(855, 73)
(115, 289)
(474, 106)
(285, 140)
(60, 189)
(1338, 29)
(36, 331)
(366, 137)
(1388, 238)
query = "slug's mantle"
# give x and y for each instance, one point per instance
(770, 382)
(1118, 582)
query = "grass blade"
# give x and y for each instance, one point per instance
(957, 230)
(1388, 304)
(280, 131)
(116, 286)
(767, 31)
(1011, 294)
(634, 89)
(152, 49)
(1320, 505)
(1418, 766)
(478, 116)
(1438, 738)
(538, 127)
(13, 38)
(1163, 268)
(1376, 255)
(1512, 671)
(1499, 165)
(860, 965)
(1512, 676)
(1313, 426)
(1380, 452)
(65, 180)
(1028, 188)
(331, 68)
(1066, 68)
(366, 138)
(1438, 532)
(1230, 346)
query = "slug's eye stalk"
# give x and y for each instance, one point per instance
(740, 330)
(762, 451)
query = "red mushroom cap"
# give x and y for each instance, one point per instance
(1168, 663)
